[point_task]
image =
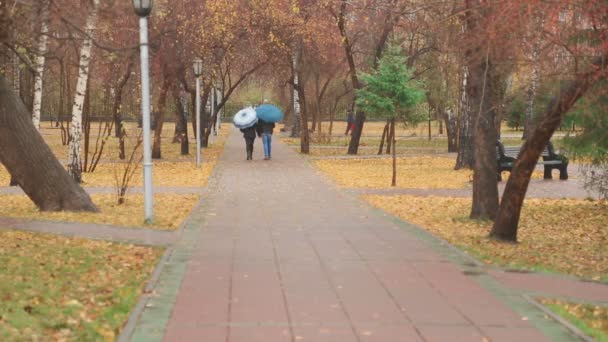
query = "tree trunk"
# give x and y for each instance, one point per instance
(193, 111)
(297, 122)
(465, 135)
(40, 59)
(531, 95)
(451, 129)
(355, 138)
(394, 181)
(16, 71)
(86, 124)
(219, 111)
(384, 134)
(485, 189)
(119, 130)
(181, 124)
(389, 138)
(507, 221)
(331, 125)
(483, 92)
(120, 85)
(159, 120)
(206, 123)
(304, 133)
(530, 117)
(31, 162)
(299, 101)
(74, 156)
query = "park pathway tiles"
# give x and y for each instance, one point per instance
(280, 254)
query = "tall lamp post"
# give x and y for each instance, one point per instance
(198, 71)
(142, 9)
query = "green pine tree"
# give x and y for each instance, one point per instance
(391, 93)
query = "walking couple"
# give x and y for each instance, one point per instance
(261, 129)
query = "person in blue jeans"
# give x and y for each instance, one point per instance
(265, 130)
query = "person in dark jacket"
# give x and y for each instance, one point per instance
(265, 130)
(249, 135)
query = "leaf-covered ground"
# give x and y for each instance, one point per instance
(412, 172)
(415, 172)
(5, 178)
(590, 319)
(170, 150)
(172, 170)
(57, 289)
(164, 173)
(170, 210)
(567, 236)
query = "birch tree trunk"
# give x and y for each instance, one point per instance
(74, 155)
(465, 132)
(40, 60)
(295, 131)
(534, 78)
(531, 92)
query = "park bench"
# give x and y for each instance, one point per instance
(506, 155)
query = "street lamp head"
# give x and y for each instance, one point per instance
(143, 7)
(198, 67)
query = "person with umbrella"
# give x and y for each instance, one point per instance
(249, 134)
(246, 120)
(267, 115)
(265, 129)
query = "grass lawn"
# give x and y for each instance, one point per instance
(57, 288)
(180, 171)
(566, 236)
(412, 172)
(170, 210)
(169, 150)
(590, 319)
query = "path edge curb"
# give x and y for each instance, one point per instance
(130, 328)
(573, 329)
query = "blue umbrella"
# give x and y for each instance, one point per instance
(269, 113)
(245, 118)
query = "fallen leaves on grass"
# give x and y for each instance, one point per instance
(5, 177)
(164, 174)
(565, 235)
(591, 319)
(424, 172)
(415, 172)
(57, 288)
(170, 210)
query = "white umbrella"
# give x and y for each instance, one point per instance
(245, 118)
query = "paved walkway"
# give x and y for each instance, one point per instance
(278, 254)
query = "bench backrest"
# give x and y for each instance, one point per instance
(513, 151)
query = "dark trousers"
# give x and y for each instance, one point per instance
(249, 147)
